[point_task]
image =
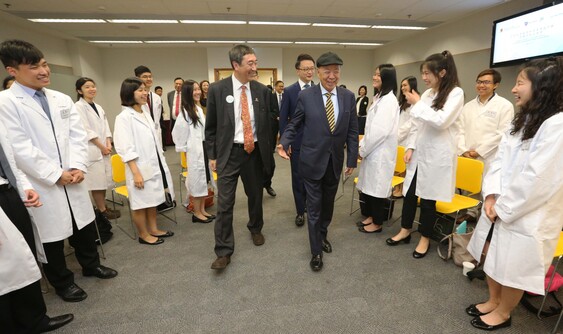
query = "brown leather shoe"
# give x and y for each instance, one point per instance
(221, 262)
(258, 239)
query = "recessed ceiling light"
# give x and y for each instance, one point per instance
(212, 22)
(117, 42)
(222, 42)
(336, 25)
(399, 27)
(141, 21)
(67, 20)
(168, 42)
(360, 44)
(319, 43)
(280, 23)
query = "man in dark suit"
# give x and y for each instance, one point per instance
(174, 103)
(327, 114)
(237, 136)
(305, 66)
(275, 102)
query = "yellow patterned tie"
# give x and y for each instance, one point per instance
(330, 112)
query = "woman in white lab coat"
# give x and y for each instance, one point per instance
(147, 174)
(378, 148)
(189, 135)
(431, 154)
(96, 125)
(523, 191)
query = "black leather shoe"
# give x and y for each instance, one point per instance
(271, 191)
(56, 322)
(299, 220)
(210, 216)
(360, 224)
(144, 242)
(100, 272)
(418, 255)
(202, 221)
(363, 229)
(391, 242)
(327, 247)
(165, 235)
(73, 293)
(472, 310)
(478, 323)
(316, 262)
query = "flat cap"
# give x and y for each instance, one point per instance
(329, 58)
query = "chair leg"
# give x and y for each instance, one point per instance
(548, 287)
(181, 196)
(134, 236)
(99, 239)
(557, 323)
(352, 200)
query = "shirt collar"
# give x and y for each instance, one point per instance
(237, 84)
(324, 91)
(490, 98)
(27, 90)
(302, 83)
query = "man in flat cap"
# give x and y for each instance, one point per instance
(328, 117)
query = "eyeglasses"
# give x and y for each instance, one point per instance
(307, 69)
(483, 82)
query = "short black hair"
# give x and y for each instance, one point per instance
(496, 75)
(15, 52)
(127, 92)
(238, 52)
(302, 57)
(157, 87)
(141, 69)
(179, 78)
(277, 82)
(6, 80)
(78, 85)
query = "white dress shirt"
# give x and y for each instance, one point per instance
(334, 99)
(239, 134)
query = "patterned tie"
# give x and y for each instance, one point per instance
(177, 111)
(279, 100)
(305, 86)
(330, 112)
(246, 126)
(43, 101)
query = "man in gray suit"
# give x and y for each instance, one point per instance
(327, 114)
(237, 138)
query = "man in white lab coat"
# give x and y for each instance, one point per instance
(50, 146)
(482, 123)
(22, 308)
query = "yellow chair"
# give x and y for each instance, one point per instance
(469, 177)
(118, 175)
(558, 254)
(400, 167)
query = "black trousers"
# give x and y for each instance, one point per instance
(22, 310)
(320, 206)
(85, 249)
(251, 171)
(297, 183)
(427, 211)
(376, 208)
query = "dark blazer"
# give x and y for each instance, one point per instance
(318, 142)
(170, 97)
(220, 122)
(274, 108)
(363, 105)
(287, 112)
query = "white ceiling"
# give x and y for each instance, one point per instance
(381, 12)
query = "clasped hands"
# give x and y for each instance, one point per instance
(73, 176)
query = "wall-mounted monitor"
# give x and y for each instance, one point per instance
(532, 34)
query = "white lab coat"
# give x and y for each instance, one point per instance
(481, 126)
(135, 138)
(23, 184)
(527, 180)
(36, 150)
(189, 139)
(405, 124)
(378, 148)
(433, 137)
(18, 267)
(156, 107)
(99, 166)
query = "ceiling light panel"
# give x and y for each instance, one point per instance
(337, 25)
(140, 21)
(399, 27)
(68, 20)
(279, 23)
(212, 22)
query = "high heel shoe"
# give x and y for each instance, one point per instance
(203, 221)
(391, 242)
(144, 242)
(418, 255)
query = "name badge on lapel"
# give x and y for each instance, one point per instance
(65, 113)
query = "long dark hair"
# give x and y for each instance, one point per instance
(188, 103)
(79, 83)
(413, 84)
(388, 79)
(435, 63)
(546, 76)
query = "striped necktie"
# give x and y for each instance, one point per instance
(330, 112)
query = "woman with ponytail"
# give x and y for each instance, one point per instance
(523, 191)
(188, 134)
(431, 154)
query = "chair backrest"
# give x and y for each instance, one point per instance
(469, 174)
(400, 165)
(117, 169)
(183, 161)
